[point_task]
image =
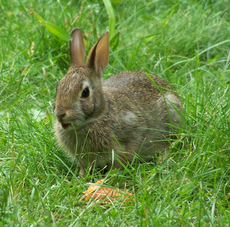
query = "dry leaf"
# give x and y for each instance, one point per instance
(105, 193)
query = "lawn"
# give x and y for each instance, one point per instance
(186, 42)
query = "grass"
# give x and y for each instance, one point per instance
(186, 43)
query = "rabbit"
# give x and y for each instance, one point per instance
(107, 123)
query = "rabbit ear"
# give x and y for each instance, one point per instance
(99, 54)
(77, 48)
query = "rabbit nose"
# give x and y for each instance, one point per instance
(61, 116)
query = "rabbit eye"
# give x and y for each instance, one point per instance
(85, 93)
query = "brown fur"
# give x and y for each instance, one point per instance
(125, 115)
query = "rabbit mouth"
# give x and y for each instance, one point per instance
(65, 126)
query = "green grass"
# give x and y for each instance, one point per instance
(185, 42)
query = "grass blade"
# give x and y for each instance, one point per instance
(56, 30)
(110, 11)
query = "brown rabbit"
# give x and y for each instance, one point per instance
(108, 123)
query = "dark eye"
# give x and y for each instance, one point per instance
(85, 93)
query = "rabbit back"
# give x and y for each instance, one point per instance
(146, 111)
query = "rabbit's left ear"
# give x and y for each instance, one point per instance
(99, 54)
(77, 48)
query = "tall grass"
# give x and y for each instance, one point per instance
(185, 42)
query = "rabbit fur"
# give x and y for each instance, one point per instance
(108, 123)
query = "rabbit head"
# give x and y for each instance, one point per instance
(79, 96)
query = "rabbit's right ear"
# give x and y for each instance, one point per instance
(77, 48)
(99, 54)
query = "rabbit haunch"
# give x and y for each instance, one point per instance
(124, 116)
